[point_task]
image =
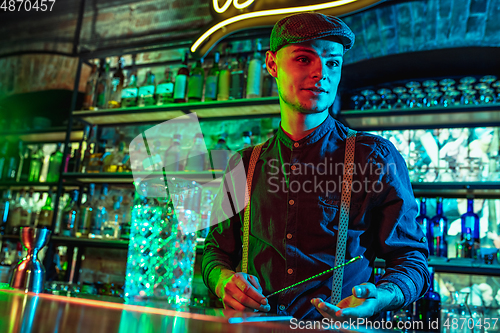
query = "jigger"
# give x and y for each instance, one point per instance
(29, 275)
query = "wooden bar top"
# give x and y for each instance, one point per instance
(28, 312)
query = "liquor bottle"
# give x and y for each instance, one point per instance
(165, 89)
(26, 211)
(212, 79)
(126, 221)
(70, 216)
(147, 91)
(96, 158)
(246, 139)
(220, 155)
(428, 308)
(100, 214)
(254, 81)
(223, 88)
(129, 93)
(5, 264)
(196, 158)
(103, 85)
(117, 81)
(111, 227)
(195, 82)
(422, 218)
(55, 165)
(269, 86)
(3, 158)
(119, 159)
(470, 227)
(237, 88)
(439, 229)
(86, 214)
(181, 81)
(14, 217)
(36, 165)
(465, 247)
(46, 213)
(36, 207)
(89, 97)
(44, 170)
(12, 162)
(24, 168)
(69, 158)
(172, 155)
(5, 208)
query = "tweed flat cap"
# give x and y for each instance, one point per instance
(304, 27)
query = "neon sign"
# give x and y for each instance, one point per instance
(252, 14)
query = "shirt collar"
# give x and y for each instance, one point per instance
(326, 126)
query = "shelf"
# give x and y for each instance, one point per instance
(457, 266)
(421, 118)
(127, 177)
(266, 106)
(90, 242)
(49, 135)
(37, 186)
(480, 190)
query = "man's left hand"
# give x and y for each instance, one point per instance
(366, 301)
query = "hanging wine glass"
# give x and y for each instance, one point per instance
(432, 99)
(488, 79)
(357, 101)
(487, 96)
(467, 80)
(383, 96)
(367, 93)
(448, 99)
(391, 99)
(468, 97)
(399, 91)
(446, 84)
(375, 99)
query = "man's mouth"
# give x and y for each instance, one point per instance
(315, 90)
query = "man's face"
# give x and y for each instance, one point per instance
(308, 74)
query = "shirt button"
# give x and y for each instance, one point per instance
(423, 240)
(289, 236)
(296, 144)
(293, 167)
(290, 271)
(291, 202)
(282, 307)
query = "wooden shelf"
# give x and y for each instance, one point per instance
(266, 106)
(128, 178)
(421, 118)
(482, 190)
(49, 135)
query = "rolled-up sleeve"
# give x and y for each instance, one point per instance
(400, 240)
(223, 244)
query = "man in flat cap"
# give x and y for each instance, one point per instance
(297, 198)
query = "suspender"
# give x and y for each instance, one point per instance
(343, 220)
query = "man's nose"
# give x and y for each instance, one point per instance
(319, 70)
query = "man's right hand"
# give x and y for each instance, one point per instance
(241, 291)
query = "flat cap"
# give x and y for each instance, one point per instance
(308, 26)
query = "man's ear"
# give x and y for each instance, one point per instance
(271, 66)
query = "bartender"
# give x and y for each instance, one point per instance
(296, 194)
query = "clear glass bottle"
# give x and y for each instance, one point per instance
(26, 212)
(181, 81)
(96, 161)
(238, 80)
(100, 215)
(130, 93)
(172, 155)
(195, 82)
(103, 86)
(46, 213)
(86, 214)
(246, 139)
(89, 97)
(439, 230)
(55, 165)
(470, 229)
(212, 79)
(14, 217)
(36, 164)
(111, 228)
(69, 215)
(165, 89)
(117, 82)
(3, 158)
(220, 154)
(5, 208)
(24, 169)
(12, 162)
(147, 91)
(224, 83)
(254, 81)
(196, 158)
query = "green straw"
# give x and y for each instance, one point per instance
(315, 276)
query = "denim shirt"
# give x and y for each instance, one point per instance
(296, 193)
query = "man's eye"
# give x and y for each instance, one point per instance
(333, 63)
(302, 59)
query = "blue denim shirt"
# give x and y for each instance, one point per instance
(295, 201)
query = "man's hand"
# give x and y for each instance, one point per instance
(366, 301)
(241, 291)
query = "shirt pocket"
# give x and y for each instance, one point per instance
(329, 208)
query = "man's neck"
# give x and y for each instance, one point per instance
(298, 125)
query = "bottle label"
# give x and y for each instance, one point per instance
(146, 91)
(180, 86)
(195, 86)
(211, 88)
(254, 79)
(129, 93)
(165, 88)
